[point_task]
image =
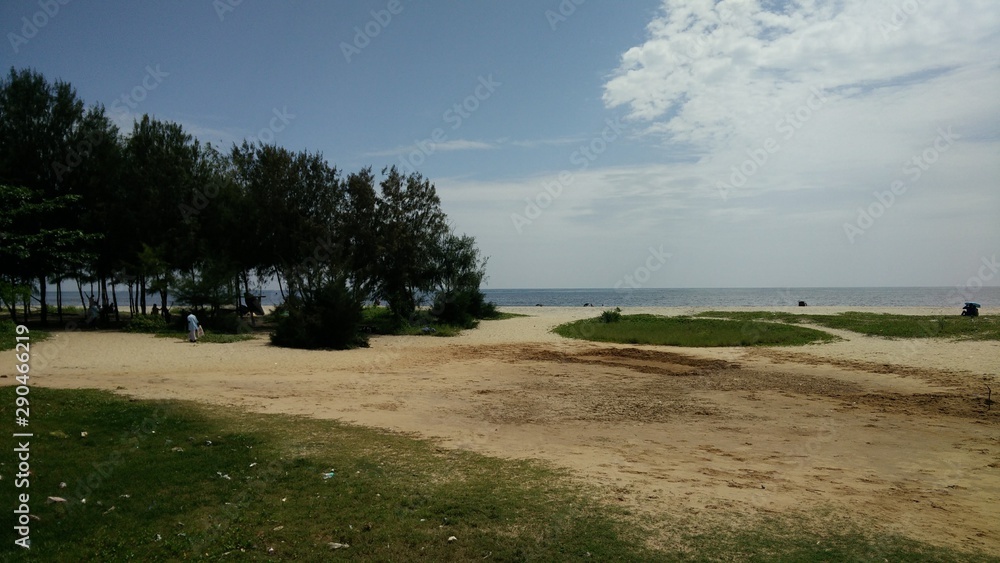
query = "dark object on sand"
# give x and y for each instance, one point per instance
(970, 309)
(253, 303)
(93, 314)
(802, 303)
(538, 304)
(588, 304)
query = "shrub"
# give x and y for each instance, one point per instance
(462, 308)
(611, 316)
(147, 324)
(329, 318)
(228, 322)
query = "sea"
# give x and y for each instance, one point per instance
(749, 297)
(988, 297)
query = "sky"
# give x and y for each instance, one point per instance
(587, 143)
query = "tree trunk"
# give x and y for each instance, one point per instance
(142, 293)
(104, 299)
(277, 276)
(41, 300)
(59, 300)
(131, 300)
(12, 305)
(114, 298)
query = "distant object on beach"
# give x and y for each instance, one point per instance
(802, 303)
(588, 304)
(971, 309)
(538, 304)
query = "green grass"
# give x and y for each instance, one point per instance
(688, 331)
(209, 337)
(501, 316)
(381, 321)
(161, 466)
(223, 338)
(155, 481)
(883, 324)
(8, 335)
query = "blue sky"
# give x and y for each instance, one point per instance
(713, 144)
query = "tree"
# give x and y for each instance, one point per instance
(96, 175)
(160, 211)
(460, 271)
(161, 164)
(28, 251)
(410, 228)
(358, 228)
(38, 122)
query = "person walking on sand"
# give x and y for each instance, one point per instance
(193, 328)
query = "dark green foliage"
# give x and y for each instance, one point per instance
(329, 318)
(30, 249)
(462, 308)
(160, 212)
(611, 316)
(460, 272)
(219, 338)
(8, 335)
(411, 226)
(228, 322)
(147, 323)
(212, 288)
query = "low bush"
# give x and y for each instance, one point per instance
(330, 318)
(462, 308)
(611, 316)
(147, 324)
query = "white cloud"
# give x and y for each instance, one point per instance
(718, 74)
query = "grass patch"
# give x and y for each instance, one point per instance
(223, 338)
(688, 331)
(209, 337)
(148, 324)
(502, 316)
(170, 481)
(820, 536)
(883, 324)
(158, 480)
(8, 335)
(379, 320)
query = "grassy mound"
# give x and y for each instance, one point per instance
(688, 331)
(883, 324)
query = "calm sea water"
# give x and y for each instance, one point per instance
(989, 297)
(760, 297)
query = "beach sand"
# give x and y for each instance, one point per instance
(891, 432)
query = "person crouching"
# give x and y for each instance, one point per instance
(193, 327)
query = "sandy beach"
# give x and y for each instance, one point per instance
(895, 432)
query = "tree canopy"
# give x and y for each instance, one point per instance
(156, 210)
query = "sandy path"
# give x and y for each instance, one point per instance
(879, 428)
